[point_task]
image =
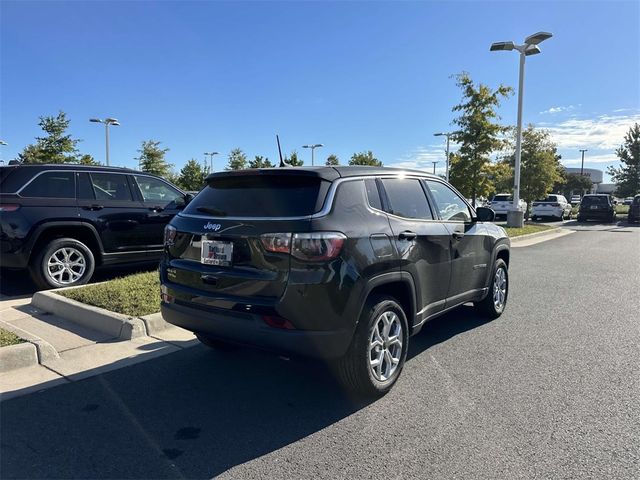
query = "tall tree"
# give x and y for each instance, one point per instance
(56, 147)
(365, 158)
(332, 160)
(192, 175)
(152, 159)
(575, 184)
(260, 162)
(237, 160)
(627, 176)
(293, 160)
(540, 167)
(87, 159)
(480, 136)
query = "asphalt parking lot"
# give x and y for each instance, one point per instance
(549, 390)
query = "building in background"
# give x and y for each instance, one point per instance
(594, 174)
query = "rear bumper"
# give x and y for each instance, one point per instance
(595, 215)
(547, 212)
(250, 330)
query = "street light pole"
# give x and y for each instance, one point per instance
(107, 122)
(448, 135)
(211, 154)
(313, 147)
(515, 217)
(582, 164)
(434, 167)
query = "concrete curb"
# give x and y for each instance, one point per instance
(154, 323)
(536, 234)
(17, 356)
(115, 324)
(44, 349)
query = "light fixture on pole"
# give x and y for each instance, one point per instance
(434, 166)
(313, 147)
(107, 122)
(582, 164)
(448, 135)
(211, 154)
(2, 142)
(515, 217)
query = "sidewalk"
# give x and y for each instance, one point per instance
(69, 352)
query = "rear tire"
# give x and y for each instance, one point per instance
(495, 302)
(63, 262)
(378, 349)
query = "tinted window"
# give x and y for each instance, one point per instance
(594, 200)
(52, 185)
(550, 199)
(372, 193)
(260, 196)
(85, 191)
(154, 190)
(407, 198)
(111, 186)
(450, 205)
(502, 198)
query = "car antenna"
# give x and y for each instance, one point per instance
(282, 162)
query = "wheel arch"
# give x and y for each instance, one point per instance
(398, 285)
(81, 231)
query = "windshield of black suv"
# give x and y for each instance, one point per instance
(502, 198)
(260, 196)
(594, 200)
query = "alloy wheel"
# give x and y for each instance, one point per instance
(66, 265)
(385, 346)
(499, 289)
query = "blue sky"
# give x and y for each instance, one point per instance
(202, 76)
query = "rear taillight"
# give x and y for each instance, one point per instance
(315, 246)
(164, 295)
(278, 322)
(169, 235)
(276, 242)
(9, 207)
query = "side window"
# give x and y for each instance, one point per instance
(372, 193)
(85, 191)
(51, 185)
(111, 186)
(450, 205)
(407, 198)
(154, 190)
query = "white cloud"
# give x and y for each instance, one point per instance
(608, 158)
(559, 109)
(605, 132)
(421, 158)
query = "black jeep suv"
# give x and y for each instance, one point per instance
(597, 207)
(341, 263)
(61, 221)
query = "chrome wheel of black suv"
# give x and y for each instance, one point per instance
(63, 262)
(496, 300)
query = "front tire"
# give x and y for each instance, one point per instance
(63, 262)
(378, 349)
(495, 302)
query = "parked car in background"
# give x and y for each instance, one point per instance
(340, 263)
(62, 221)
(575, 199)
(597, 207)
(554, 206)
(503, 202)
(628, 201)
(634, 210)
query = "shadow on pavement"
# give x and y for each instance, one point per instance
(196, 413)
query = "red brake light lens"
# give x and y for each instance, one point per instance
(317, 246)
(9, 207)
(276, 242)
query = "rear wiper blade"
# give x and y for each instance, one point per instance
(212, 211)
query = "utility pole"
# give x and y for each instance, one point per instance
(582, 164)
(434, 167)
(107, 122)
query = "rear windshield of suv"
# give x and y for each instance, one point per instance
(549, 199)
(260, 196)
(594, 200)
(502, 198)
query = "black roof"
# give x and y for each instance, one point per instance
(324, 172)
(68, 166)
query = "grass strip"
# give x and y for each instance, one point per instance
(527, 229)
(8, 338)
(135, 295)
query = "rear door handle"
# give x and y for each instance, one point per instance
(457, 235)
(93, 207)
(407, 235)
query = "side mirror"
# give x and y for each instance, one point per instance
(184, 201)
(485, 214)
(187, 198)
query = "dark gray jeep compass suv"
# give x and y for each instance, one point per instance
(340, 263)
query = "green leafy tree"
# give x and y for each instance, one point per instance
(237, 160)
(332, 160)
(501, 176)
(365, 158)
(540, 167)
(56, 147)
(480, 136)
(293, 160)
(260, 162)
(627, 176)
(192, 175)
(573, 184)
(87, 159)
(152, 159)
